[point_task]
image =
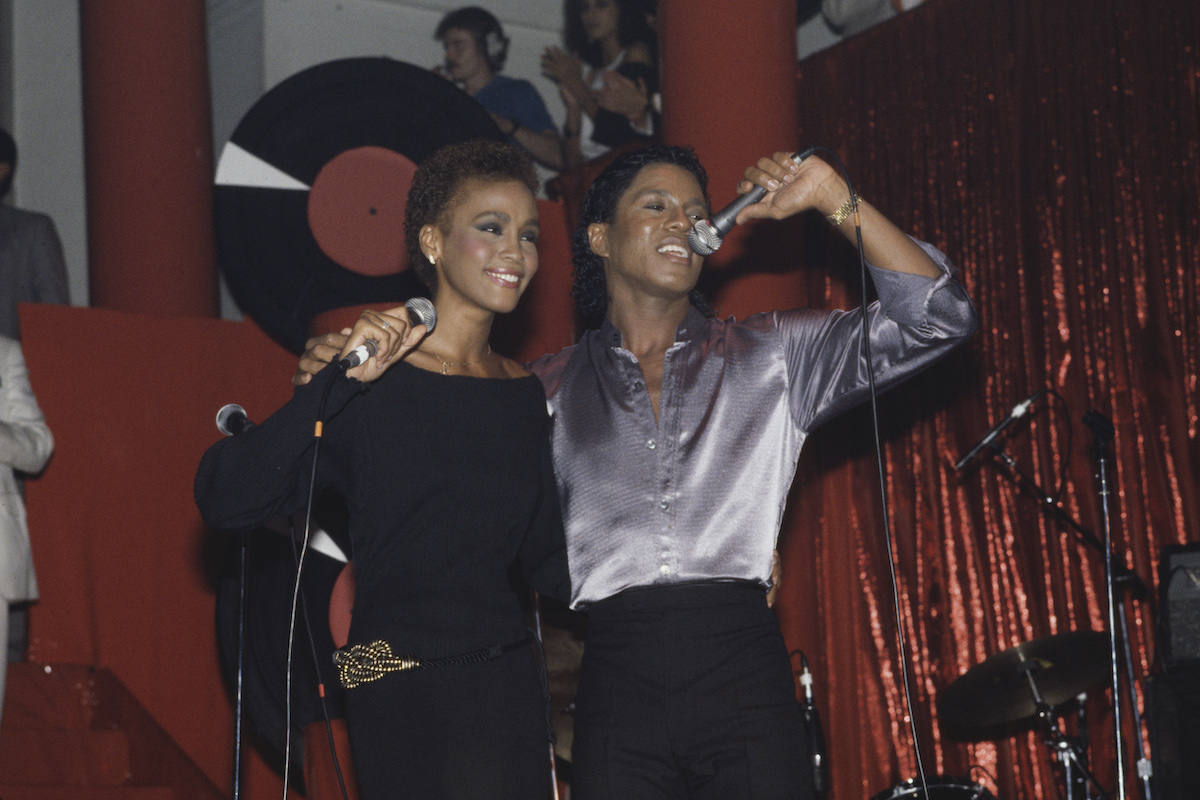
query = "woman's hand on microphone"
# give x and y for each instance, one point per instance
(394, 336)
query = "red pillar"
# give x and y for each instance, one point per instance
(729, 90)
(148, 149)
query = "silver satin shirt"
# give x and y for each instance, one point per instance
(699, 494)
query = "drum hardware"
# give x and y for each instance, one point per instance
(1118, 577)
(941, 787)
(1012, 686)
(1033, 680)
(1069, 751)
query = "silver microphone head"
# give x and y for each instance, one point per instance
(704, 239)
(422, 313)
(227, 419)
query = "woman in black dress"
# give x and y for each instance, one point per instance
(440, 448)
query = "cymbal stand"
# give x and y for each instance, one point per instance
(1081, 726)
(1116, 572)
(1066, 750)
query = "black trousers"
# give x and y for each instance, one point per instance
(457, 732)
(686, 692)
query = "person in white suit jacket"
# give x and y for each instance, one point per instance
(25, 445)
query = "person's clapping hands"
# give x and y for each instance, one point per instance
(566, 69)
(623, 96)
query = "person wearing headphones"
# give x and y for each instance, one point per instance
(476, 48)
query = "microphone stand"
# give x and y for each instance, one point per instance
(243, 573)
(816, 755)
(1103, 432)
(1115, 572)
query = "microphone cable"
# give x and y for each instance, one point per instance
(318, 430)
(312, 647)
(883, 492)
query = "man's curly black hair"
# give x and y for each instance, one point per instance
(590, 289)
(441, 175)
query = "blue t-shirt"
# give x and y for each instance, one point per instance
(515, 99)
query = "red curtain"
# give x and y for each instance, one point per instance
(1053, 149)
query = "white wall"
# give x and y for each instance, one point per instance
(48, 125)
(814, 35)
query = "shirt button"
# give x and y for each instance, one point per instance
(664, 505)
(664, 569)
(650, 444)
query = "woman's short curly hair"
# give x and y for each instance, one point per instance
(438, 180)
(590, 288)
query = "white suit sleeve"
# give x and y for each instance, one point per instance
(25, 440)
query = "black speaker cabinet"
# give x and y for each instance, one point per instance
(1179, 605)
(1173, 719)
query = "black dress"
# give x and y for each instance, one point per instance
(448, 481)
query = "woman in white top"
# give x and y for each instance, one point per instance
(606, 76)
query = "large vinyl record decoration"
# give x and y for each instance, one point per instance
(310, 194)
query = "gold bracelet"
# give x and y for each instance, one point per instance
(838, 217)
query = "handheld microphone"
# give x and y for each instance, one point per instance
(1019, 410)
(232, 420)
(706, 236)
(816, 737)
(420, 311)
(358, 355)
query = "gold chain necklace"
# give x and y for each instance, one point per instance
(446, 365)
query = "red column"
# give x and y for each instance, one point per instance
(148, 149)
(729, 90)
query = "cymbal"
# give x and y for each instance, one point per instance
(997, 691)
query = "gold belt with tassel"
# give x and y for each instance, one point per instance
(364, 663)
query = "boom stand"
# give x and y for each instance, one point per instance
(1115, 572)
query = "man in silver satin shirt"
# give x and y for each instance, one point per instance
(676, 438)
